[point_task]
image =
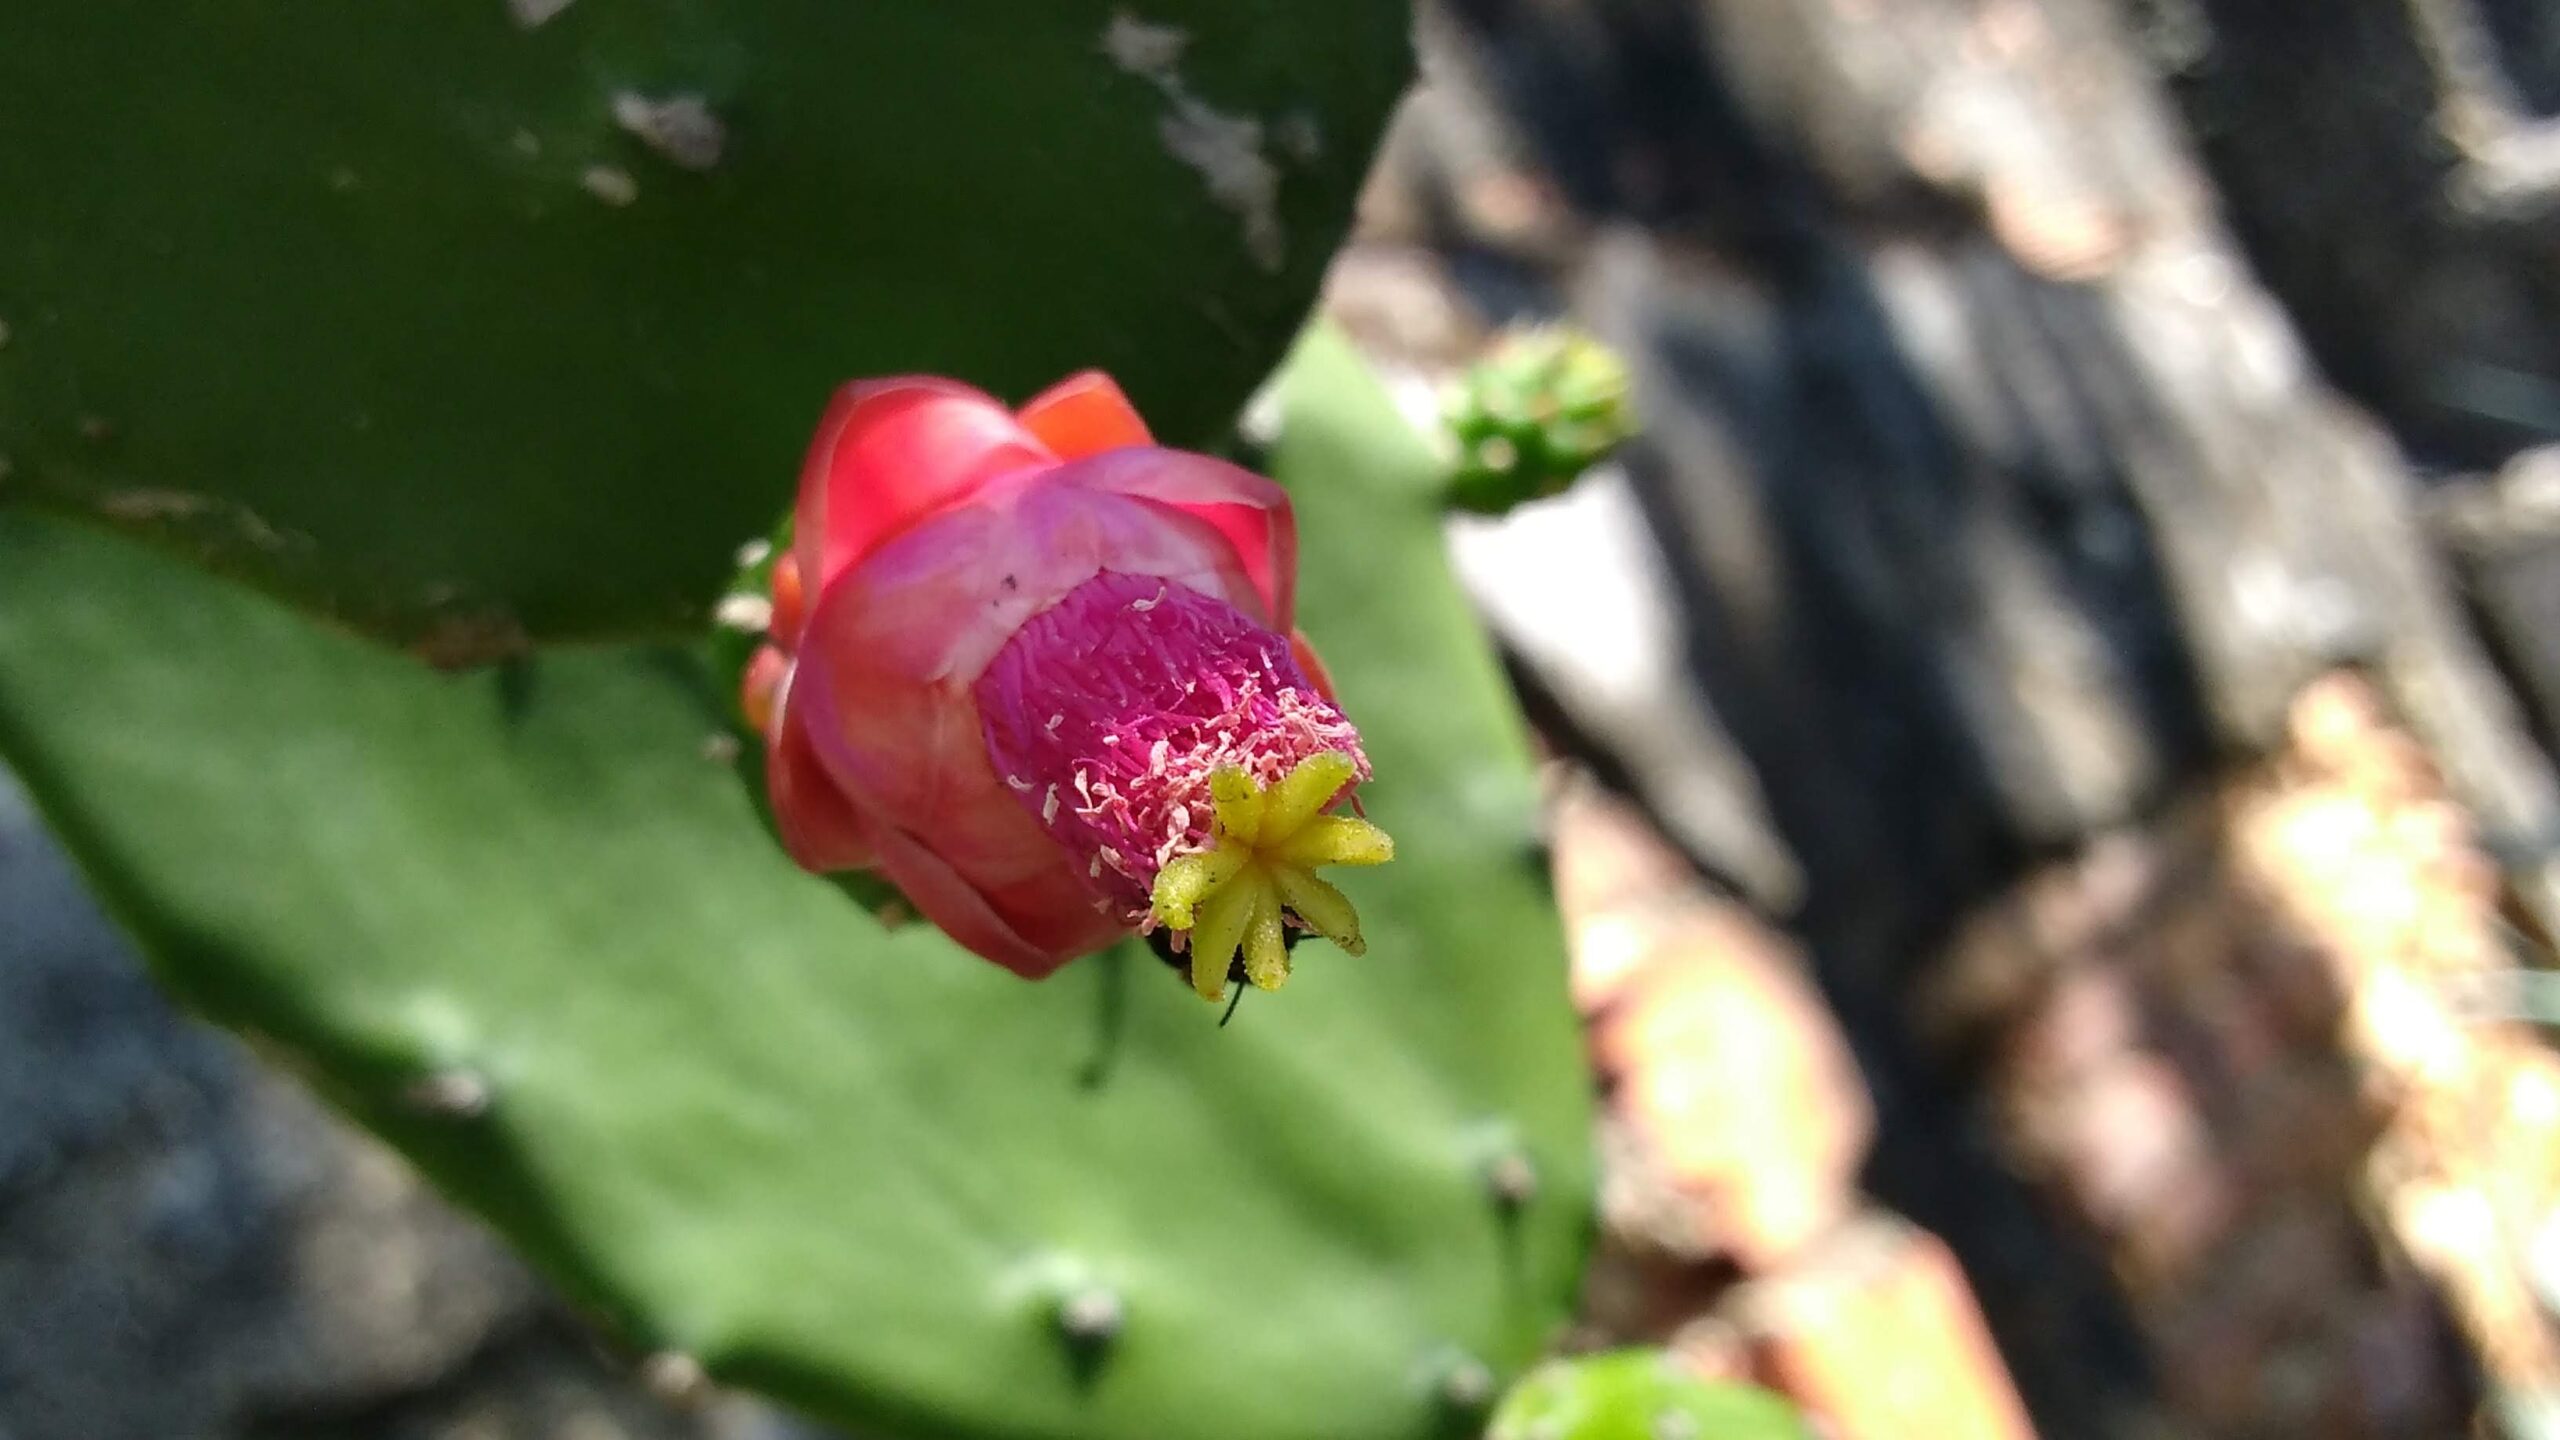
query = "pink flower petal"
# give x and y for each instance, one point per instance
(820, 826)
(932, 524)
(890, 453)
(1062, 925)
(938, 602)
(1251, 513)
(883, 685)
(956, 841)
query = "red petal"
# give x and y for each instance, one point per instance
(892, 452)
(883, 688)
(1250, 513)
(1084, 414)
(758, 686)
(790, 603)
(952, 904)
(1303, 650)
(955, 841)
(1070, 927)
(821, 826)
(910, 629)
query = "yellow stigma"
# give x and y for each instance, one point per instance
(1261, 862)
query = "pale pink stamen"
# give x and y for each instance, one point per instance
(1119, 701)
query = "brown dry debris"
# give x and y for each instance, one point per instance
(1733, 1230)
(2235, 1049)
(1732, 1084)
(2384, 876)
(2248, 1049)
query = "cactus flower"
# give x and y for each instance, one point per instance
(1040, 673)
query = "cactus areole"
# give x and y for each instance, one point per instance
(1040, 673)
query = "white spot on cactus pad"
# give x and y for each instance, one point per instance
(529, 14)
(1144, 49)
(612, 186)
(675, 1378)
(1225, 150)
(1092, 1315)
(206, 516)
(448, 1094)
(681, 128)
(752, 614)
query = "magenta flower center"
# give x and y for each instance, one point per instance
(1106, 713)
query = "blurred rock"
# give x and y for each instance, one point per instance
(1987, 508)
(2393, 173)
(2504, 536)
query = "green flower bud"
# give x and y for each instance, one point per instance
(1544, 406)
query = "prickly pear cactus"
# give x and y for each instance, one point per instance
(1547, 404)
(1638, 1395)
(525, 924)
(475, 322)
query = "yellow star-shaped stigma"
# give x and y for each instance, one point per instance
(1262, 858)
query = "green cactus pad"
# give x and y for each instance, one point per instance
(474, 322)
(1639, 1395)
(525, 924)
